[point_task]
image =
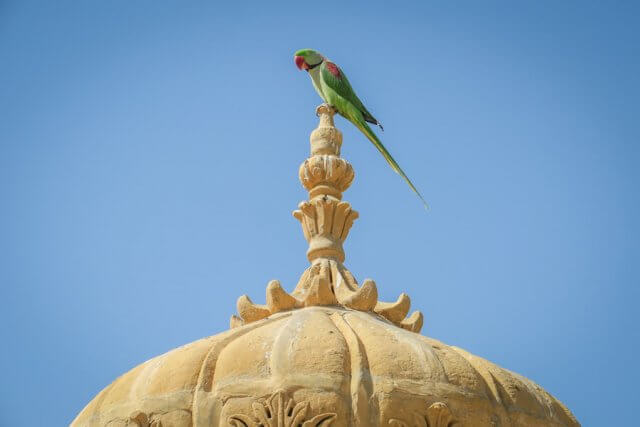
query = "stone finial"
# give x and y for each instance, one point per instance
(325, 139)
(325, 175)
(326, 221)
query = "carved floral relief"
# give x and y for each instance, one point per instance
(436, 415)
(280, 411)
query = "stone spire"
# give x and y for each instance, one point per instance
(326, 221)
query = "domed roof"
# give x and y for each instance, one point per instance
(329, 353)
(318, 366)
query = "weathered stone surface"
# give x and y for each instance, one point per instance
(322, 366)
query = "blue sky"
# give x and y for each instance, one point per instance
(148, 170)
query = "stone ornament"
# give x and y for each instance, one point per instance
(280, 411)
(326, 221)
(326, 174)
(436, 415)
(160, 419)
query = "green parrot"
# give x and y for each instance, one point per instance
(334, 88)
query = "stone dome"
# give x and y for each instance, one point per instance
(321, 366)
(327, 354)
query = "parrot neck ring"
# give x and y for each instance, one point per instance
(311, 67)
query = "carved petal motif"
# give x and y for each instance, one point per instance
(280, 411)
(326, 174)
(436, 415)
(328, 282)
(325, 223)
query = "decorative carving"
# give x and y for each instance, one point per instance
(436, 415)
(328, 282)
(280, 411)
(326, 175)
(160, 419)
(326, 222)
(139, 419)
(414, 322)
(326, 138)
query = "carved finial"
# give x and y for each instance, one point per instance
(325, 139)
(326, 221)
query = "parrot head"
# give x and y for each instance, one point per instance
(307, 59)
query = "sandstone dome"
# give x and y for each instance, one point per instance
(321, 366)
(327, 354)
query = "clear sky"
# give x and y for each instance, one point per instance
(148, 169)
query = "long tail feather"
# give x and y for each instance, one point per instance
(364, 128)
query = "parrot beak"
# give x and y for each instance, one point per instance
(300, 63)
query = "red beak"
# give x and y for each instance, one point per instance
(300, 63)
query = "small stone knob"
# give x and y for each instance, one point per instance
(326, 139)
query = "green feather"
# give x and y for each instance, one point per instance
(337, 92)
(356, 118)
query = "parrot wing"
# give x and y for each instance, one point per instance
(350, 106)
(337, 80)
